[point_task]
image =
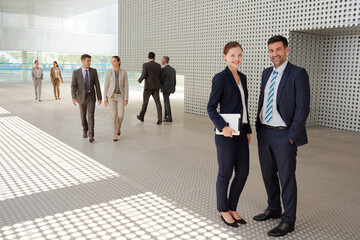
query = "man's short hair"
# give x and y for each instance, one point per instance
(84, 56)
(278, 38)
(151, 55)
(36, 61)
(166, 58)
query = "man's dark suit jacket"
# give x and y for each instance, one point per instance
(292, 101)
(168, 79)
(226, 92)
(78, 85)
(151, 72)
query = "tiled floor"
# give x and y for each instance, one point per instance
(157, 182)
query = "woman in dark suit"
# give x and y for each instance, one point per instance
(229, 89)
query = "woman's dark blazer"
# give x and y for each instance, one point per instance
(225, 91)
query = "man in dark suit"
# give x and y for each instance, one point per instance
(151, 72)
(284, 106)
(84, 83)
(168, 83)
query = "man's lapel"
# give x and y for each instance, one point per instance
(264, 82)
(283, 80)
(81, 77)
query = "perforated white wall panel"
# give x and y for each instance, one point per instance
(332, 61)
(193, 33)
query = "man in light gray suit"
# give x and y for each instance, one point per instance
(85, 83)
(37, 77)
(168, 83)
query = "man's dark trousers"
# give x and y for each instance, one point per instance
(167, 106)
(146, 95)
(278, 160)
(88, 107)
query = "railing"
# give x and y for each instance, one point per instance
(66, 67)
(21, 73)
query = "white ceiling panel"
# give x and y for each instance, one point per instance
(55, 8)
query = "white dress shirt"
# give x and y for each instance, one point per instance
(83, 72)
(276, 120)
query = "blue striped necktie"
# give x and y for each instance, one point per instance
(270, 100)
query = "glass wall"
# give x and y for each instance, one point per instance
(26, 37)
(16, 66)
(12, 70)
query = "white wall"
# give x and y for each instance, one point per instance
(193, 33)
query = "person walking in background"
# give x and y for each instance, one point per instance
(229, 89)
(168, 84)
(284, 106)
(116, 94)
(151, 72)
(55, 75)
(37, 77)
(85, 87)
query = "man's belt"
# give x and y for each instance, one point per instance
(278, 128)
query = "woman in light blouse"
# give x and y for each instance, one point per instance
(55, 75)
(116, 92)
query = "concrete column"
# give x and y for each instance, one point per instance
(25, 66)
(39, 57)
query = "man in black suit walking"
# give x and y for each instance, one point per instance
(168, 83)
(84, 83)
(151, 72)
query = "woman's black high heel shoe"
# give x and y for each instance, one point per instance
(240, 221)
(234, 224)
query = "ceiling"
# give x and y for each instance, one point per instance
(54, 8)
(353, 30)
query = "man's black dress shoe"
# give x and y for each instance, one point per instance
(281, 230)
(138, 117)
(91, 139)
(159, 122)
(167, 120)
(233, 224)
(267, 215)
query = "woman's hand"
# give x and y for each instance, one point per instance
(126, 102)
(227, 131)
(105, 103)
(248, 137)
